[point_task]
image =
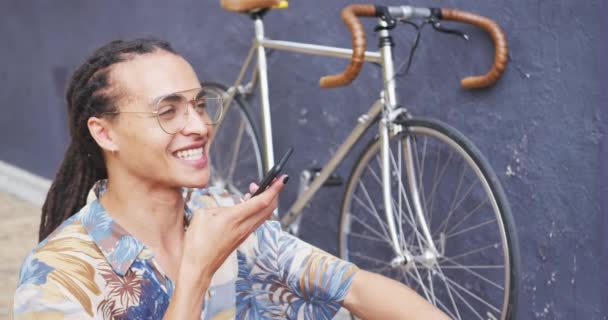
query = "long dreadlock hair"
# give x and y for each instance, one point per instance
(89, 94)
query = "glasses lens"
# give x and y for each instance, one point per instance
(208, 105)
(172, 113)
(173, 109)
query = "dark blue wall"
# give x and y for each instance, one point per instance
(544, 119)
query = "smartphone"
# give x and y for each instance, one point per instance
(273, 173)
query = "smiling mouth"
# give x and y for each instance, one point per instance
(190, 154)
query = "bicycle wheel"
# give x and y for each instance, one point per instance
(474, 273)
(236, 158)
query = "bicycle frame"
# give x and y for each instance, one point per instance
(386, 107)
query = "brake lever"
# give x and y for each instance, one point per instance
(437, 26)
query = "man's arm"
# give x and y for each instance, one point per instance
(372, 296)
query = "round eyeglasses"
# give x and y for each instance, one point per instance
(172, 110)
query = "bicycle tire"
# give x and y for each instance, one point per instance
(354, 236)
(234, 168)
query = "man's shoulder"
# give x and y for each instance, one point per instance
(65, 248)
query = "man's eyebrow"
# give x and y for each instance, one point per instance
(170, 98)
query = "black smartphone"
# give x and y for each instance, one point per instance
(273, 173)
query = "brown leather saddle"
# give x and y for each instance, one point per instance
(243, 6)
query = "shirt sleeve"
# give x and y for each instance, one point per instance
(38, 297)
(318, 280)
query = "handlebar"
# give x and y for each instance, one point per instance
(350, 16)
(501, 51)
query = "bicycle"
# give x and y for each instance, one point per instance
(420, 194)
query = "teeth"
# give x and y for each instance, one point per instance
(190, 154)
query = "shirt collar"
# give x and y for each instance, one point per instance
(119, 247)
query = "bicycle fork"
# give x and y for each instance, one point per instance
(388, 126)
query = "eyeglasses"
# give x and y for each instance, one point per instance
(172, 110)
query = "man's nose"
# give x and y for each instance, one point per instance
(195, 123)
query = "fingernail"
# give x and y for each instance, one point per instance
(285, 179)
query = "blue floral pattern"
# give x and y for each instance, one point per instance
(91, 268)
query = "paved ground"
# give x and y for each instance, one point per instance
(18, 235)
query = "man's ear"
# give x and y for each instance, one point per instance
(101, 131)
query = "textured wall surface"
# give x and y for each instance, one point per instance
(542, 127)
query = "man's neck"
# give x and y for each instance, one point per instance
(154, 215)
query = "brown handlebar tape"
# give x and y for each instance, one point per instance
(501, 51)
(350, 16)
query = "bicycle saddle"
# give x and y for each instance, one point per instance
(248, 5)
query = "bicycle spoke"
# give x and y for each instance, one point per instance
(449, 288)
(465, 268)
(449, 291)
(436, 172)
(475, 267)
(436, 184)
(469, 214)
(381, 262)
(452, 206)
(476, 297)
(406, 279)
(374, 172)
(362, 236)
(430, 277)
(420, 166)
(362, 204)
(374, 211)
(380, 270)
(464, 254)
(445, 224)
(477, 226)
(419, 279)
(235, 153)
(475, 182)
(368, 227)
(446, 309)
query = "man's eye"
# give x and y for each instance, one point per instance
(200, 105)
(166, 112)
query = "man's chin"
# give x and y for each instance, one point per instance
(198, 181)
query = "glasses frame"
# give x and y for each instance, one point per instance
(157, 100)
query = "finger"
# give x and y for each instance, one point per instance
(266, 200)
(253, 188)
(275, 187)
(247, 196)
(279, 182)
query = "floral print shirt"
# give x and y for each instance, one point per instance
(92, 268)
